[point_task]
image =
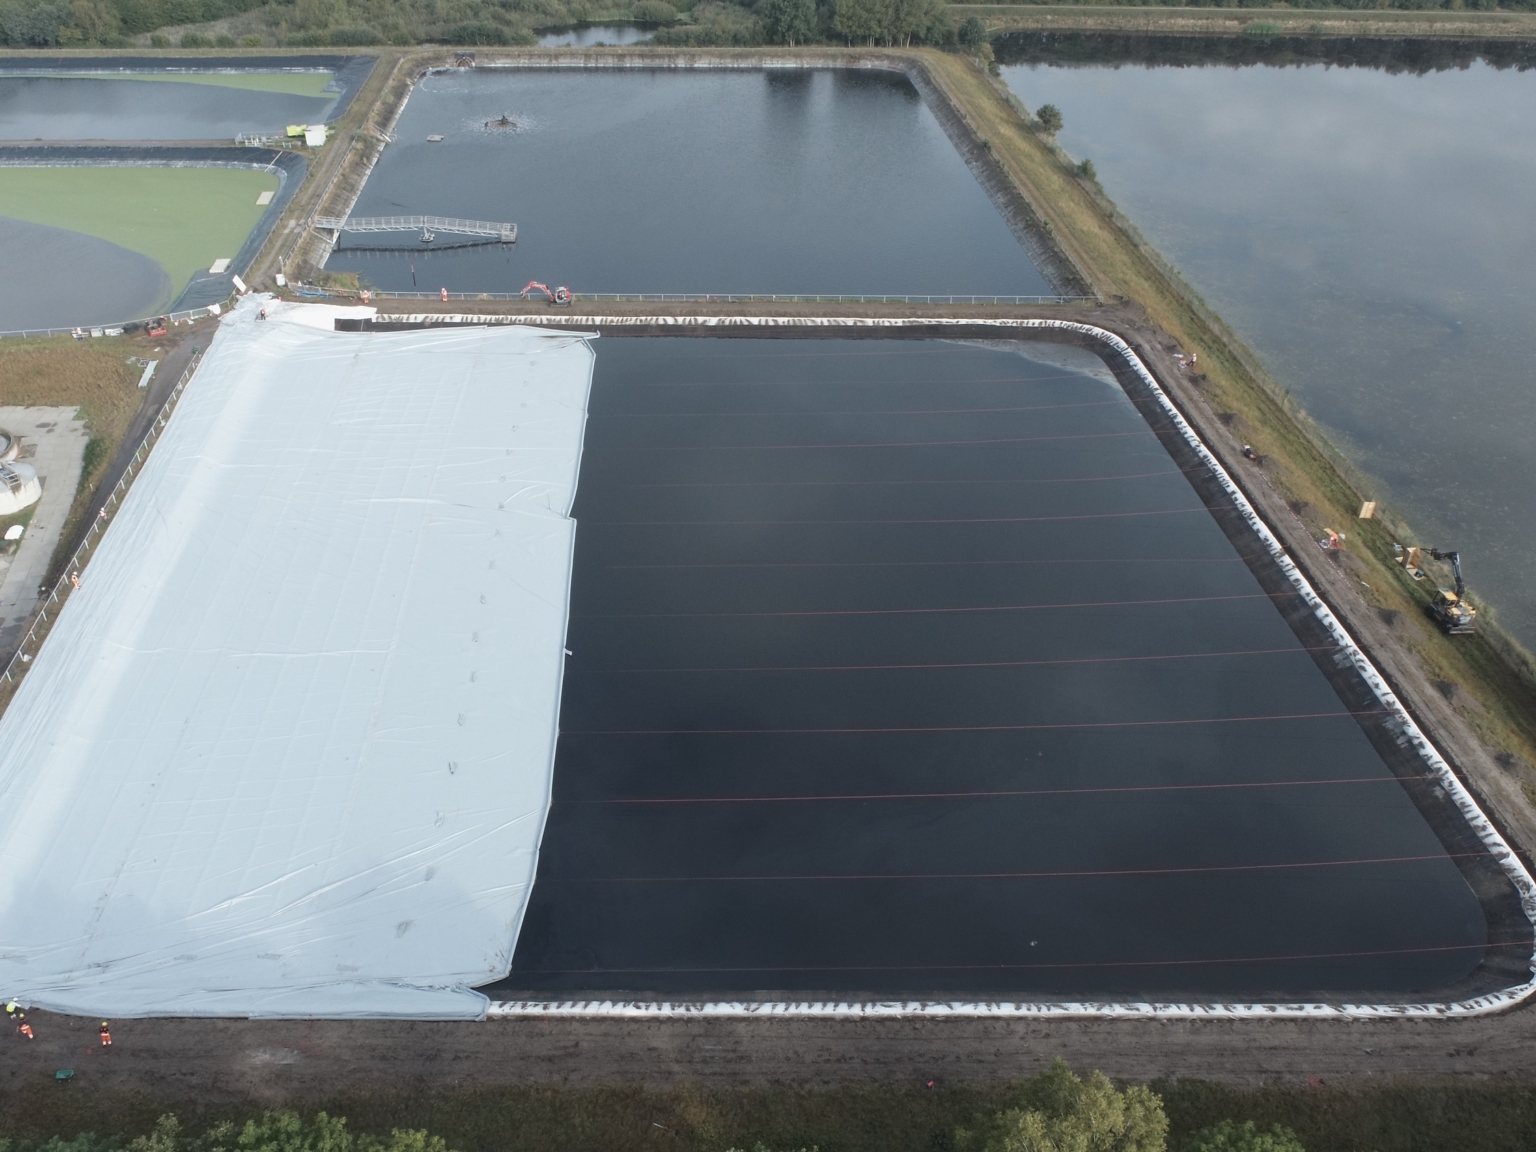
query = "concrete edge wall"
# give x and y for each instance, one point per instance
(1401, 721)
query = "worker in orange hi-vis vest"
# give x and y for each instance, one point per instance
(106, 1035)
(24, 1028)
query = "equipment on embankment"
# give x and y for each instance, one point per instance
(1449, 607)
(560, 297)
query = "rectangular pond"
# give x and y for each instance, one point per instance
(924, 668)
(713, 181)
(183, 106)
(1367, 230)
(104, 236)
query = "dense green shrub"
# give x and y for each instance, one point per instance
(654, 12)
(1058, 1111)
(715, 25)
(1230, 1136)
(789, 21)
(32, 26)
(274, 1132)
(891, 22)
(73, 23)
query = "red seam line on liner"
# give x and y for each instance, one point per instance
(946, 563)
(1027, 967)
(936, 520)
(974, 663)
(890, 444)
(968, 727)
(792, 383)
(1126, 788)
(927, 611)
(927, 483)
(958, 346)
(869, 411)
(1077, 875)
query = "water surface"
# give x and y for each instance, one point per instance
(650, 181)
(594, 34)
(907, 667)
(1371, 235)
(88, 108)
(58, 278)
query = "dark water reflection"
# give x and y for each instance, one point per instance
(594, 34)
(798, 182)
(55, 278)
(790, 564)
(1371, 235)
(1417, 56)
(79, 108)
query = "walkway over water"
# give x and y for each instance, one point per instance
(506, 233)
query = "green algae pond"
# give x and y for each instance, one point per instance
(93, 245)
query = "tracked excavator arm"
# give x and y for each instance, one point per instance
(1449, 607)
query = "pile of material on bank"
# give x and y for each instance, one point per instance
(287, 750)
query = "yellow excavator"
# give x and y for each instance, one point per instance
(1449, 607)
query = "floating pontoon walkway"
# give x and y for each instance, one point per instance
(506, 233)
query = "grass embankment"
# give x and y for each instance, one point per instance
(182, 218)
(286, 83)
(1029, 15)
(1301, 466)
(890, 1117)
(91, 375)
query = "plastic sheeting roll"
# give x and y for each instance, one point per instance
(288, 749)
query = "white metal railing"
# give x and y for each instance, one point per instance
(185, 317)
(38, 630)
(506, 233)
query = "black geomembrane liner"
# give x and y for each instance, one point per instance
(913, 668)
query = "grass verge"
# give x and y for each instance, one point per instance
(182, 218)
(1316, 482)
(92, 375)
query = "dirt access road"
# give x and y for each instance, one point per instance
(213, 1062)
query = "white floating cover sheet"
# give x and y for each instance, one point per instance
(288, 750)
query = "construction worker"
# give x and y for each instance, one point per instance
(23, 1027)
(106, 1035)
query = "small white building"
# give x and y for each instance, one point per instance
(19, 487)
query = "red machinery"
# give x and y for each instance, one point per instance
(560, 297)
(157, 326)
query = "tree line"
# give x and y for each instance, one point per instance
(1056, 1111)
(314, 23)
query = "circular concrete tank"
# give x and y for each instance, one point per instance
(19, 487)
(9, 445)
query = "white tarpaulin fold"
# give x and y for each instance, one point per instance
(288, 749)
